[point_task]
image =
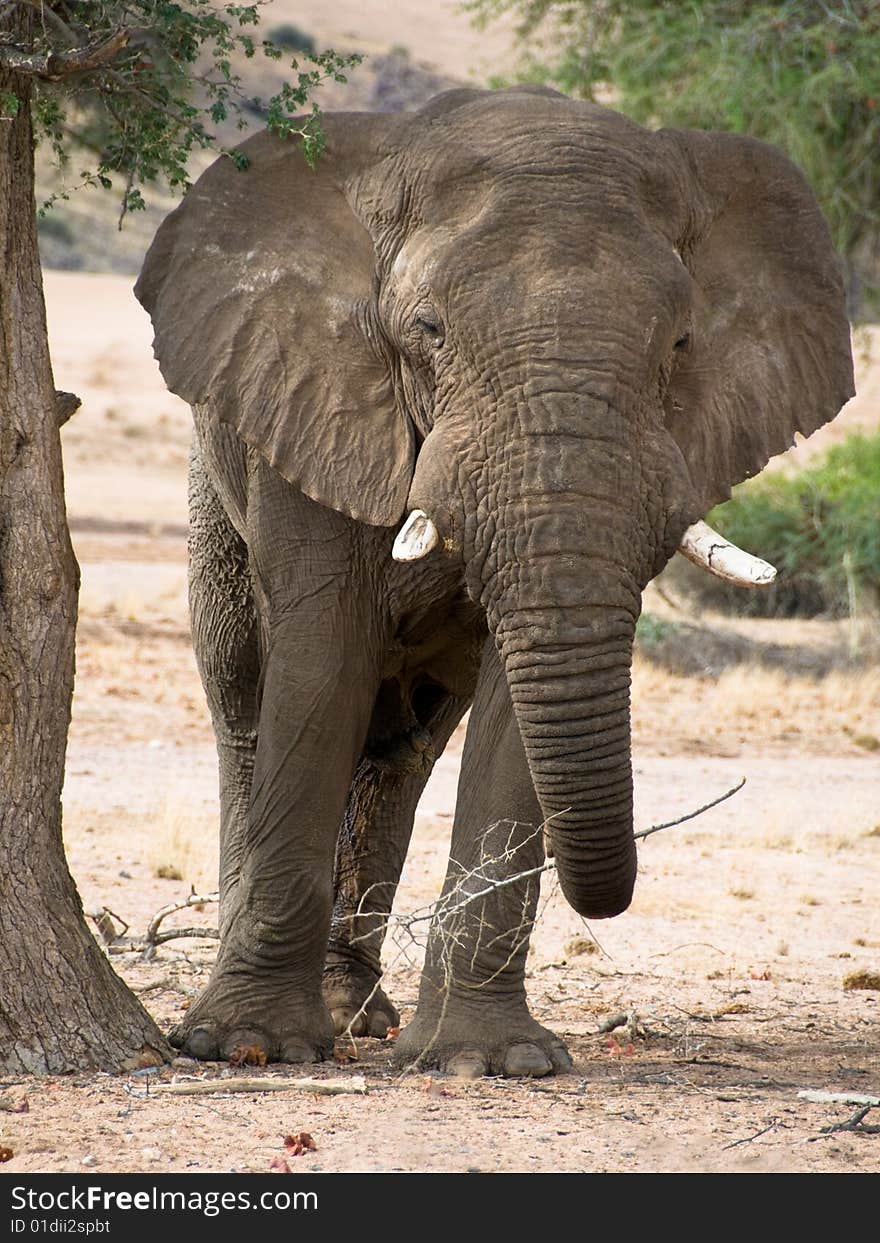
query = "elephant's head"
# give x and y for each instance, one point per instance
(561, 337)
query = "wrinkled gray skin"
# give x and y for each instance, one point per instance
(564, 338)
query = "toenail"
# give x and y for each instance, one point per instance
(527, 1059)
(467, 1065)
(299, 1051)
(202, 1043)
(562, 1059)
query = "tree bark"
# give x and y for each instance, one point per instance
(62, 1007)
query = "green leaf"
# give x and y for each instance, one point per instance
(147, 113)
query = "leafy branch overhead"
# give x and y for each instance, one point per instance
(140, 85)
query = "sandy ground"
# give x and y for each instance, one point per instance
(732, 961)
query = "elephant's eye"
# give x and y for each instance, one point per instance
(432, 328)
(683, 341)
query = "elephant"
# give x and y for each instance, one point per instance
(459, 393)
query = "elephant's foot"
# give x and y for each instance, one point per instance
(355, 1001)
(494, 1043)
(285, 1028)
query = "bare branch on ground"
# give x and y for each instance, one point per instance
(356, 1085)
(154, 937)
(748, 1138)
(838, 1098)
(856, 1123)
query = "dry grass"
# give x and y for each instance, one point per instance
(186, 847)
(861, 979)
(754, 705)
(757, 695)
(578, 946)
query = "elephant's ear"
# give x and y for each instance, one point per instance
(769, 352)
(260, 288)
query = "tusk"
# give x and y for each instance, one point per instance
(416, 537)
(712, 552)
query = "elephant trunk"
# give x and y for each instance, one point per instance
(572, 702)
(561, 580)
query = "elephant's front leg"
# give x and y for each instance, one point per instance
(472, 1018)
(320, 679)
(370, 854)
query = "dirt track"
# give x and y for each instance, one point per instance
(733, 958)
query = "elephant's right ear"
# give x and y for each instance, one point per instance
(769, 352)
(260, 288)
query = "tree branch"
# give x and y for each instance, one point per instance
(56, 66)
(73, 37)
(66, 404)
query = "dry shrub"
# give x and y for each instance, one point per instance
(579, 945)
(861, 979)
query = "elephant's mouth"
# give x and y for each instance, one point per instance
(700, 544)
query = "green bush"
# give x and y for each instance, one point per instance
(820, 527)
(651, 630)
(55, 226)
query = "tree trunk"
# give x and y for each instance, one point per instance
(62, 1007)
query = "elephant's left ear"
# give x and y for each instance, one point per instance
(260, 287)
(769, 351)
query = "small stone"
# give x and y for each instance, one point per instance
(89, 1161)
(151, 1154)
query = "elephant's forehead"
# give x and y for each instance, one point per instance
(524, 136)
(505, 233)
(510, 163)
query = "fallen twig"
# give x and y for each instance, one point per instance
(855, 1123)
(748, 1138)
(687, 945)
(173, 934)
(635, 1028)
(164, 982)
(612, 1024)
(154, 937)
(356, 1085)
(103, 920)
(838, 1098)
